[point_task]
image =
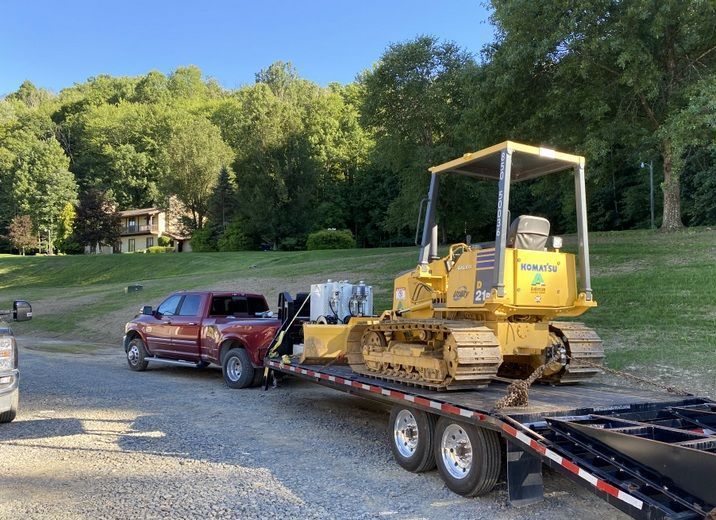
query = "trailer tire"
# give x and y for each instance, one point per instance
(412, 438)
(237, 368)
(468, 457)
(137, 354)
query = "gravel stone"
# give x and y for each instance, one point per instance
(96, 440)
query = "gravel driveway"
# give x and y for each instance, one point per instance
(94, 440)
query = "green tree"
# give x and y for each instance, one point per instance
(275, 165)
(413, 102)
(624, 67)
(233, 238)
(223, 205)
(65, 227)
(97, 223)
(195, 156)
(30, 95)
(203, 240)
(34, 172)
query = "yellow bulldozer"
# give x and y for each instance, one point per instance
(484, 310)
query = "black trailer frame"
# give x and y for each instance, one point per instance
(572, 430)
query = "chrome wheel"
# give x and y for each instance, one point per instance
(233, 368)
(456, 451)
(133, 354)
(405, 433)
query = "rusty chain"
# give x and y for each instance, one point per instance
(518, 393)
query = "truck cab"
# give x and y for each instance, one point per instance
(199, 328)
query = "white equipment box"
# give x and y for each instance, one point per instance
(336, 302)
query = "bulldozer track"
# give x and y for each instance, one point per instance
(469, 354)
(586, 352)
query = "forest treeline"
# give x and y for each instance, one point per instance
(626, 83)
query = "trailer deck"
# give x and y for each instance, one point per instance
(616, 441)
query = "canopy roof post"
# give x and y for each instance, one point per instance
(503, 205)
(585, 280)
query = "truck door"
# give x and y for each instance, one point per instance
(186, 326)
(158, 331)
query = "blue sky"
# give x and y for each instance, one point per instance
(56, 44)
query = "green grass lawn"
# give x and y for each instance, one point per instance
(656, 292)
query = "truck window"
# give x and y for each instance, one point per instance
(169, 306)
(256, 305)
(229, 306)
(190, 305)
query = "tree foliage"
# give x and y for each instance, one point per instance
(331, 239)
(622, 82)
(195, 156)
(20, 233)
(97, 222)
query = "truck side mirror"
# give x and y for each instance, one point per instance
(21, 310)
(147, 310)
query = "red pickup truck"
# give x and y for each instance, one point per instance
(198, 328)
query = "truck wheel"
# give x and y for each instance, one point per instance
(237, 369)
(468, 457)
(136, 355)
(10, 415)
(412, 438)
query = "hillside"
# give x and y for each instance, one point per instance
(655, 292)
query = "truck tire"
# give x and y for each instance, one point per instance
(137, 355)
(412, 438)
(468, 457)
(237, 368)
(10, 415)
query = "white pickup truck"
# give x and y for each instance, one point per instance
(9, 372)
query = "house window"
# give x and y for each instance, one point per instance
(132, 225)
(130, 245)
(150, 242)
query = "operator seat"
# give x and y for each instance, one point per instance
(528, 232)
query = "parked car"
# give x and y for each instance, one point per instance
(9, 371)
(198, 328)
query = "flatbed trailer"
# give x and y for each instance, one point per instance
(650, 454)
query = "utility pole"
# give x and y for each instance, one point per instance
(651, 191)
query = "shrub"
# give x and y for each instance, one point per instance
(164, 241)
(331, 239)
(159, 249)
(233, 238)
(202, 240)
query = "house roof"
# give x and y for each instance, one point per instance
(137, 212)
(176, 236)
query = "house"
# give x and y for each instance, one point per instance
(141, 229)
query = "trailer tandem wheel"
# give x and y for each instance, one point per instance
(468, 457)
(412, 438)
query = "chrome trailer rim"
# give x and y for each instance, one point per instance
(405, 433)
(456, 450)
